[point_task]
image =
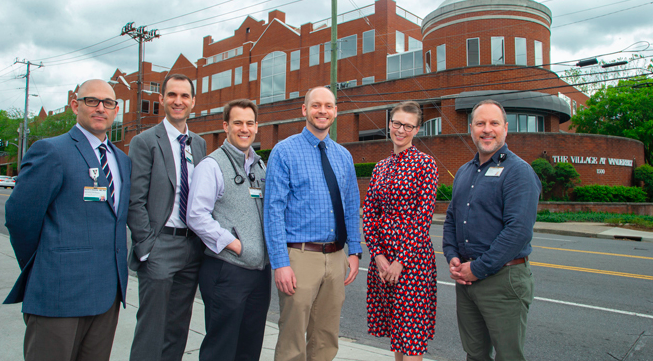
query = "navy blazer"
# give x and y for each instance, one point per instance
(72, 253)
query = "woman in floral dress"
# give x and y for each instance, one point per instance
(401, 281)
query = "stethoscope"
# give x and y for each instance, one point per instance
(239, 179)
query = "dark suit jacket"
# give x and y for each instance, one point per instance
(154, 179)
(72, 253)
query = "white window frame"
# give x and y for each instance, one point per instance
(478, 52)
(498, 50)
(314, 55)
(368, 80)
(253, 70)
(369, 38)
(521, 54)
(348, 44)
(539, 56)
(221, 80)
(400, 42)
(205, 84)
(295, 60)
(441, 60)
(238, 75)
(327, 52)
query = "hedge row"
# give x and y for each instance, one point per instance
(601, 193)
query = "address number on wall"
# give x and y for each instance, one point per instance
(600, 171)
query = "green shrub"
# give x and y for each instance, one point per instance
(264, 154)
(444, 192)
(364, 169)
(602, 193)
(644, 173)
(594, 217)
(566, 176)
(546, 173)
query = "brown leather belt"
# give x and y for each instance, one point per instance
(516, 261)
(317, 247)
(511, 263)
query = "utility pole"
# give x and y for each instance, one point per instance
(24, 130)
(333, 131)
(140, 35)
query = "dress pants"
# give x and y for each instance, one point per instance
(236, 302)
(310, 319)
(492, 313)
(87, 338)
(167, 283)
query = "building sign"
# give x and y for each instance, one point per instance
(591, 160)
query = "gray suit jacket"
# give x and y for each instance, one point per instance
(153, 187)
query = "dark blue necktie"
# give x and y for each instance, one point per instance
(334, 192)
(107, 172)
(183, 196)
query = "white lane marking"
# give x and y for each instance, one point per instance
(564, 302)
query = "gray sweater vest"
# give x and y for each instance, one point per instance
(238, 212)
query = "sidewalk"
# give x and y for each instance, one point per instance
(13, 327)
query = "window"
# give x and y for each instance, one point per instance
(191, 115)
(347, 46)
(414, 44)
(427, 61)
(204, 112)
(273, 77)
(525, 123)
(205, 84)
(155, 87)
(217, 110)
(225, 55)
(368, 80)
(221, 80)
(327, 52)
(127, 106)
(293, 95)
(314, 57)
(430, 127)
(294, 60)
(498, 50)
(155, 108)
(538, 53)
(473, 53)
(195, 85)
(145, 106)
(520, 51)
(368, 41)
(400, 42)
(238, 75)
(441, 57)
(253, 69)
(404, 65)
(116, 127)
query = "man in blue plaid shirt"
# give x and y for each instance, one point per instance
(309, 262)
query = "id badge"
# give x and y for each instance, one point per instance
(189, 155)
(494, 171)
(95, 194)
(255, 192)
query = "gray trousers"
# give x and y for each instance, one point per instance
(167, 283)
(492, 314)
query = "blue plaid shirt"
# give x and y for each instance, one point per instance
(297, 203)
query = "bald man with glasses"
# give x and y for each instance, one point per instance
(67, 221)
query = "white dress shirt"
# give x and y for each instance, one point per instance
(111, 159)
(173, 133)
(207, 188)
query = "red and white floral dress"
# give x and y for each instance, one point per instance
(397, 215)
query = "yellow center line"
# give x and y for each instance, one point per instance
(592, 252)
(592, 270)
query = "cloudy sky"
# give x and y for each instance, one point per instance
(79, 39)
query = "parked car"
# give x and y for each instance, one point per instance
(7, 182)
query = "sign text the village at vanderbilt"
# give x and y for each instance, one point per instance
(591, 160)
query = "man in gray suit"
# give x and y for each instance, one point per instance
(165, 253)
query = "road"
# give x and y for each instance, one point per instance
(594, 301)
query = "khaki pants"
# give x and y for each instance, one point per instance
(310, 319)
(492, 313)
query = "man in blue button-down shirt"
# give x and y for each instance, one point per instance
(310, 268)
(487, 240)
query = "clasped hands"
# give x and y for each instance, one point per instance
(388, 272)
(461, 272)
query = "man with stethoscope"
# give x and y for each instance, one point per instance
(225, 209)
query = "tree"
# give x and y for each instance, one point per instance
(546, 173)
(9, 124)
(52, 125)
(644, 173)
(625, 110)
(566, 176)
(589, 80)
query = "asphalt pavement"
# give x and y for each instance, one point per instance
(12, 332)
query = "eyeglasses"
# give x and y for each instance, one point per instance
(94, 102)
(407, 127)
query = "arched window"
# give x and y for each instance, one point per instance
(273, 77)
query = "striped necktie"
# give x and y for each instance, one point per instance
(105, 167)
(183, 196)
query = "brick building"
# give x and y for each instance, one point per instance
(458, 54)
